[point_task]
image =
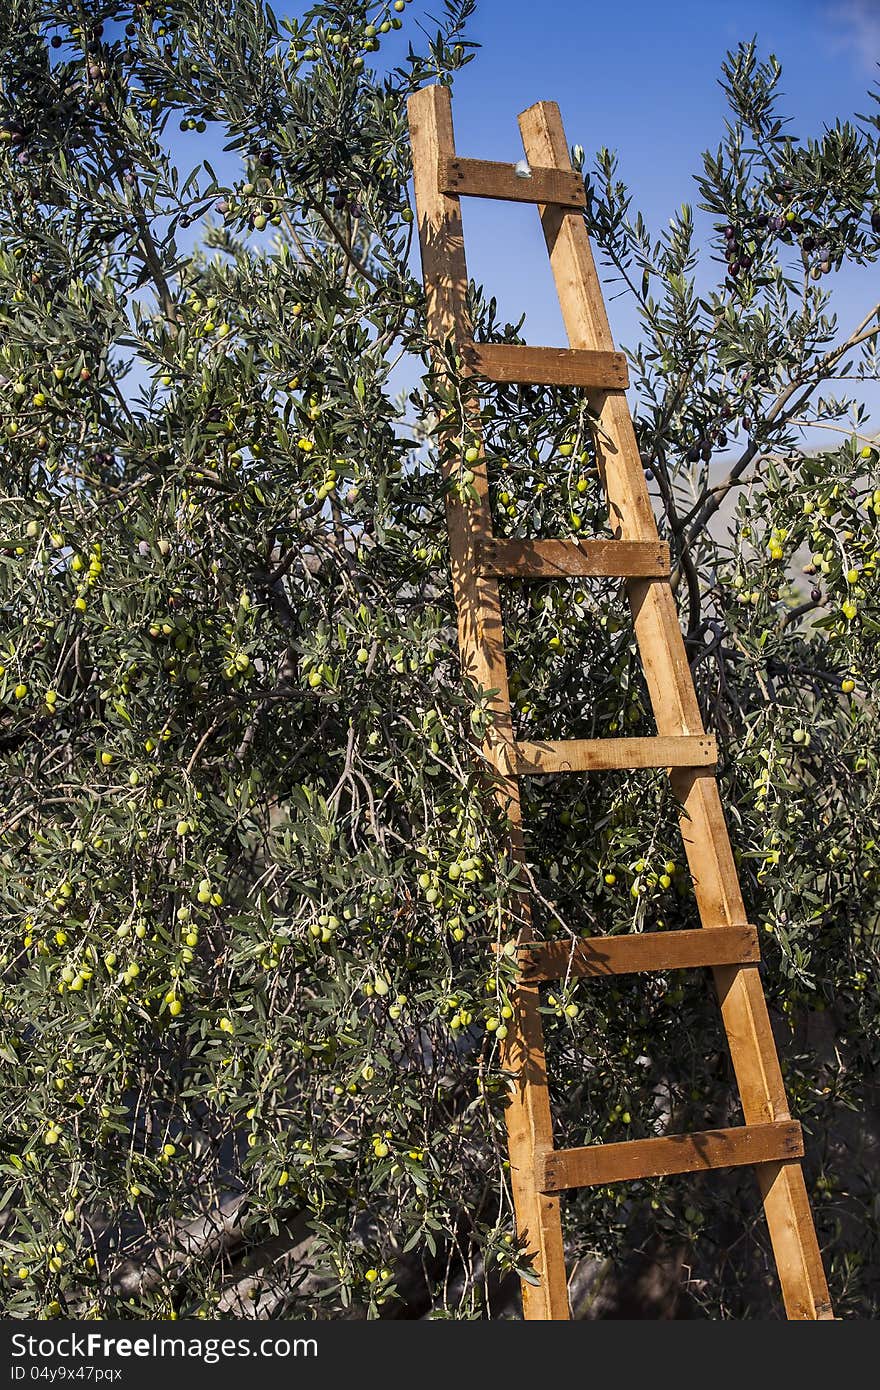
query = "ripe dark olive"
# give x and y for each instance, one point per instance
(131, 30)
(722, 440)
(809, 243)
(816, 595)
(693, 454)
(747, 423)
(55, 40)
(267, 157)
(762, 220)
(875, 221)
(706, 452)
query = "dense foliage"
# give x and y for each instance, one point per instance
(249, 886)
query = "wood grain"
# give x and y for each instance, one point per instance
(631, 953)
(486, 178)
(517, 363)
(610, 754)
(563, 559)
(674, 1153)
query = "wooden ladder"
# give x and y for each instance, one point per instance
(770, 1139)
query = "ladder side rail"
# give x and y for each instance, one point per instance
(704, 832)
(481, 643)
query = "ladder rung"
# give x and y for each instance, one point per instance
(615, 754)
(675, 1153)
(484, 178)
(629, 954)
(547, 366)
(559, 559)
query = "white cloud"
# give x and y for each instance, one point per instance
(855, 27)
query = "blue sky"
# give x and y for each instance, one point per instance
(642, 79)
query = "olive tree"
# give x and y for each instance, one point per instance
(251, 878)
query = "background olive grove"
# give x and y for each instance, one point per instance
(248, 889)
